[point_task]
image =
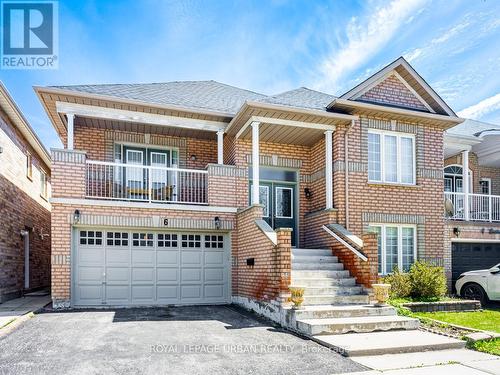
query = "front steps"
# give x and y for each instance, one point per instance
(336, 312)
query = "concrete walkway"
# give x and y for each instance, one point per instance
(456, 362)
(15, 308)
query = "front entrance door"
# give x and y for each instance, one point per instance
(278, 200)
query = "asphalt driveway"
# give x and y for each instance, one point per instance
(179, 340)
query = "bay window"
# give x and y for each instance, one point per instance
(396, 246)
(391, 157)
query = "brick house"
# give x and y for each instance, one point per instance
(200, 192)
(24, 205)
(473, 234)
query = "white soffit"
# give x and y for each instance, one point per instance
(138, 117)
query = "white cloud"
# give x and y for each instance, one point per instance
(365, 37)
(481, 109)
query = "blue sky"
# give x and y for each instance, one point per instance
(273, 46)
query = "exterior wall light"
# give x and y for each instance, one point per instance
(308, 193)
(217, 222)
(76, 217)
(456, 231)
(193, 157)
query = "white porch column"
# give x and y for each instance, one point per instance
(220, 147)
(465, 182)
(255, 163)
(71, 119)
(329, 168)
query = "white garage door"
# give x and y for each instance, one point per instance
(121, 267)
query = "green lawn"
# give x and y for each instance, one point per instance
(488, 346)
(487, 320)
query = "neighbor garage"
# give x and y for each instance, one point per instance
(115, 267)
(467, 256)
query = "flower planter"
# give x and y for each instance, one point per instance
(381, 292)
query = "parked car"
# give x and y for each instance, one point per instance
(482, 285)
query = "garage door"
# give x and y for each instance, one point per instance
(120, 267)
(473, 256)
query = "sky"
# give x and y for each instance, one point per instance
(273, 46)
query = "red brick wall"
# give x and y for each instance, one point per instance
(21, 208)
(227, 186)
(270, 276)
(421, 204)
(393, 91)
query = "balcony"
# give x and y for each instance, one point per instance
(481, 207)
(141, 183)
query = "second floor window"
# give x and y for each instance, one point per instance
(29, 166)
(391, 157)
(43, 184)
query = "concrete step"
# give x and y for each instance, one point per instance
(314, 259)
(332, 311)
(313, 327)
(359, 299)
(307, 252)
(332, 291)
(323, 281)
(319, 274)
(390, 342)
(317, 266)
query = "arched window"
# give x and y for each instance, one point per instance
(453, 179)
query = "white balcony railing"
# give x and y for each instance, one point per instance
(145, 183)
(481, 207)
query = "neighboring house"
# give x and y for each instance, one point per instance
(24, 204)
(198, 192)
(474, 233)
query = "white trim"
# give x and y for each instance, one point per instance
(267, 230)
(138, 117)
(329, 169)
(346, 244)
(255, 163)
(383, 227)
(276, 202)
(488, 179)
(220, 147)
(142, 204)
(71, 120)
(399, 136)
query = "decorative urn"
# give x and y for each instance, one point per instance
(381, 292)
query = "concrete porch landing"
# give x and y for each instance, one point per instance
(377, 343)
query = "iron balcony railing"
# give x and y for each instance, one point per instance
(153, 184)
(481, 207)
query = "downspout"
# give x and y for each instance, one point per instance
(346, 161)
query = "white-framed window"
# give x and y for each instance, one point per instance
(485, 184)
(29, 166)
(397, 246)
(391, 157)
(263, 198)
(43, 184)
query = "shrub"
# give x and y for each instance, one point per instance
(423, 282)
(427, 281)
(400, 284)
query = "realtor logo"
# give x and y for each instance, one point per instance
(29, 35)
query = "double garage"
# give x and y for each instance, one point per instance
(117, 267)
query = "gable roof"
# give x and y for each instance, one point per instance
(19, 121)
(415, 83)
(207, 95)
